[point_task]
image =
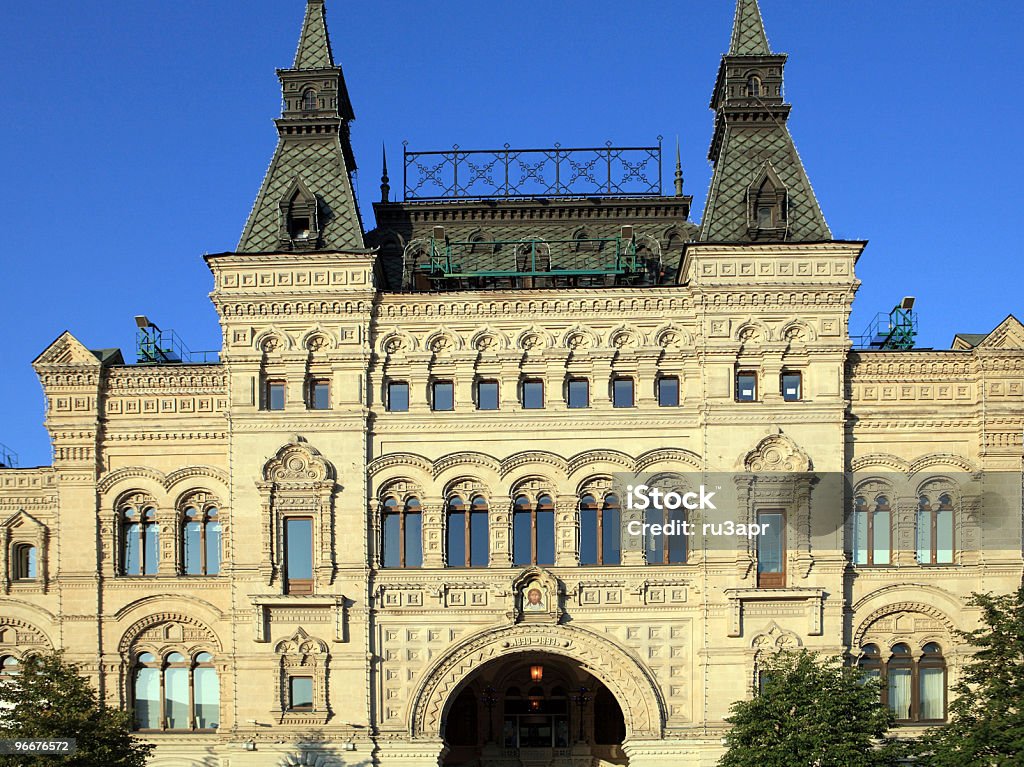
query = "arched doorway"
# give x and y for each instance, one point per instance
(534, 710)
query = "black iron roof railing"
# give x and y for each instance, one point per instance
(607, 171)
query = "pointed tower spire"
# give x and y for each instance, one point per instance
(385, 182)
(307, 200)
(679, 171)
(760, 191)
(748, 35)
(314, 51)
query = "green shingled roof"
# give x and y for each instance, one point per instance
(748, 35)
(745, 150)
(320, 163)
(314, 51)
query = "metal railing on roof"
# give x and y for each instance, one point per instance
(893, 331)
(8, 458)
(154, 346)
(607, 171)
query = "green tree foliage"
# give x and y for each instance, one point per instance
(811, 712)
(986, 727)
(50, 699)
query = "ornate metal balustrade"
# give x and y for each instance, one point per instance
(535, 263)
(607, 171)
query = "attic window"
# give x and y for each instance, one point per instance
(299, 228)
(309, 103)
(753, 86)
(764, 217)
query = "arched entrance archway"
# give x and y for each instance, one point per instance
(577, 651)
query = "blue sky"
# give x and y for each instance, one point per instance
(135, 135)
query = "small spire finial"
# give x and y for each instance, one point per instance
(679, 171)
(385, 185)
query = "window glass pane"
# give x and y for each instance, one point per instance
(487, 395)
(881, 543)
(944, 537)
(924, 537)
(933, 693)
(622, 392)
(391, 540)
(545, 537)
(176, 698)
(668, 392)
(147, 699)
(522, 538)
(769, 543)
(870, 673)
(444, 395)
(299, 548)
(212, 548)
(654, 543)
(320, 396)
(301, 691)
(677, 543)
(151, 554)
(746, 387)
(193, 550)
(899, 692)
(413, 540)
(860, 537)
(533, 395)
(398, 397)
(275, 396)
(207, 698)
(457, 539)
(132, 553)
(791, 385)
(479, 539)
(579, 393)
(611, 532)
(588, 536)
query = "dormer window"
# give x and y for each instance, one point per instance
(309, 102)
(753, 86)
(767, 201)
(764, 217)
(299, 218)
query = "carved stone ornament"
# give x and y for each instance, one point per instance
(624, 339)
(394, 345)
(537, 597)
(777, 452)
(486, 343)
(531, 342)
(270, 344)
(441, 343)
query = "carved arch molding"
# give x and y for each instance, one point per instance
(630, 682)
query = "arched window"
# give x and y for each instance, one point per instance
(176, 693)
(533, 531)
(872, 531)
(753, 86)
(9, 666)
(870, 662)
(25, 562)
(140, 541)
(600, 531)
(935, 530)
(662, 549)
(403, 534)
(931, 685)
(914, 688)
(467, 535)
(309, 102)
(899, 677)
(201, 542)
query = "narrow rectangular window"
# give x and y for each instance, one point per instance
(746, 386)
(487, 395)
(522, 538)
(319, 395)
(622, 392)
(792, 387)
(668, 391)
(578, 393)
(457, 538)
(479, 536)
(533, 394)
(299, 555)
(771, 550)
(764, 217)
(442, 396)
(545, 537)
(275, 395)
(398, 397)
(300, 693)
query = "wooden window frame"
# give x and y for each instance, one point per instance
(298, 586)
(143, 523)
(800, 385)
(433, 395)
(870, 512)
(772, 580)
(915, 664)
(666, 548)
(534, 508)
(933, 523)
(679, 389)
(269, 384)
(543, 395)
(162, 665)
(204, 521)
(632, 391)
(736, 385)
(402, 510)
(311, 385)
(408, 392)
(497, 392)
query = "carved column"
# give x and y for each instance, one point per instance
(433, 533)
(567, 531)
(501, 532)
(905, 520)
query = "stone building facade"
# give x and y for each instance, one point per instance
(386, 527)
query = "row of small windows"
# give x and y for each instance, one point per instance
(176, 692)
(790, 386)
(200, 541)
(317, 394)
(873, 531)
(531, 394)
